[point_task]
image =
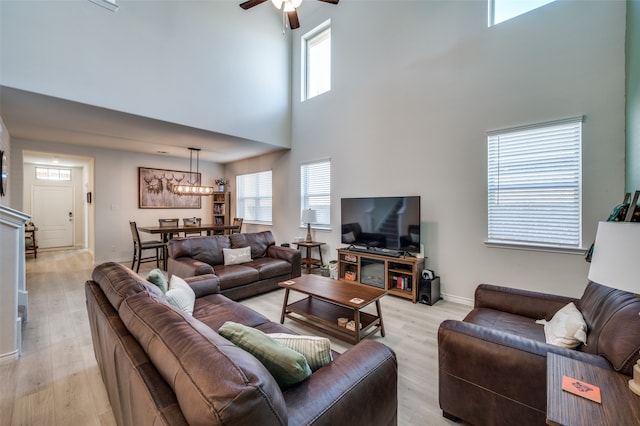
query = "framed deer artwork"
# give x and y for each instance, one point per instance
(155, 189)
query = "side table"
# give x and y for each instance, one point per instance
(619, 405)
(308, 260)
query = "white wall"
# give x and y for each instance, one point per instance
(415, 87)
(205, 64)
(115, 195)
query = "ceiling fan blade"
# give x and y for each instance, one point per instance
(293, 20)
(250, 3)
(330, 1)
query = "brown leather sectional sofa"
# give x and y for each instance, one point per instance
(161, 366)
(269, 265)
(493, 364)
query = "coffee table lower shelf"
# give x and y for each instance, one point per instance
(323, 316)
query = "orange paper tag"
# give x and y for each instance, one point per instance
(580, 388)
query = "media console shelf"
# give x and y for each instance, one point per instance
(400, 276)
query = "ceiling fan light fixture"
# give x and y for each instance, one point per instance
(277, 3)
(288, 6)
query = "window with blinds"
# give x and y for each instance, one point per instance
(315, 191)
(253, 198)
(535, 185)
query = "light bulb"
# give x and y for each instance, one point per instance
(277, 3)
(287, 6)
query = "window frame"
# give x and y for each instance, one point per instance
(107, 4)
(323, 211)
(491, 10)
(321, 31)
(519, 169)
(258, 198)
(50, 177)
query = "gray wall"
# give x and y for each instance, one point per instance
(185, 62)
(633, 95)
(415, 87)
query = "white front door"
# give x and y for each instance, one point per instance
(52, 208)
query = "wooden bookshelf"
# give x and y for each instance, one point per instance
(221, 207)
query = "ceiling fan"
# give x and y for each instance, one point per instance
(288, 7)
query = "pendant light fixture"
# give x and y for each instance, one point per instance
(191, 188)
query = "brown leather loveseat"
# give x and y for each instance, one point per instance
(161, 366)
(492, 365)
(268, 265)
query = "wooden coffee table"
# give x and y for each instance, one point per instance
(329, 300)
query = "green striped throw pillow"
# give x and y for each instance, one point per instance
(317, 350)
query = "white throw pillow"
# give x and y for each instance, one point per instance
(236, 256)
(181, 295)
(566, 329)
(317, 350)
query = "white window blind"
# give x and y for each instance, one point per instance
(253, 199)
(535, 184)
(315, 191)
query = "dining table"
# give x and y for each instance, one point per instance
(168, 232)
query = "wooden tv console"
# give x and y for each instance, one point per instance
(400, 276)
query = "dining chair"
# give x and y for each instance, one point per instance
(237, 221)
(192, 221)
(169, 223)
(139, 246)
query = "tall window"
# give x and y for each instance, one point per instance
(315, 191)
(535, 184)
(107, 4)
(253, 198)
(316, 61)
(503, 10)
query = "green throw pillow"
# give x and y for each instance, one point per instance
(156, 277)
(287, 366)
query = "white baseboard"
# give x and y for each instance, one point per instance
(457, 299)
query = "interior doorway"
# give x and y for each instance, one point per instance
(61, 209)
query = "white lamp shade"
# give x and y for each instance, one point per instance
(309, 216)
(616, 256)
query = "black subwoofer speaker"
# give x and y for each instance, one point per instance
(429, 291)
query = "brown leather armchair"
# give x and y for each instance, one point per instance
(492, 365)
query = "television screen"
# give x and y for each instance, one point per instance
(391, 223)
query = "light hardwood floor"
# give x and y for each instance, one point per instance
(56, 381)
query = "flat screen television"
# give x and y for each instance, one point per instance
(391, 223)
